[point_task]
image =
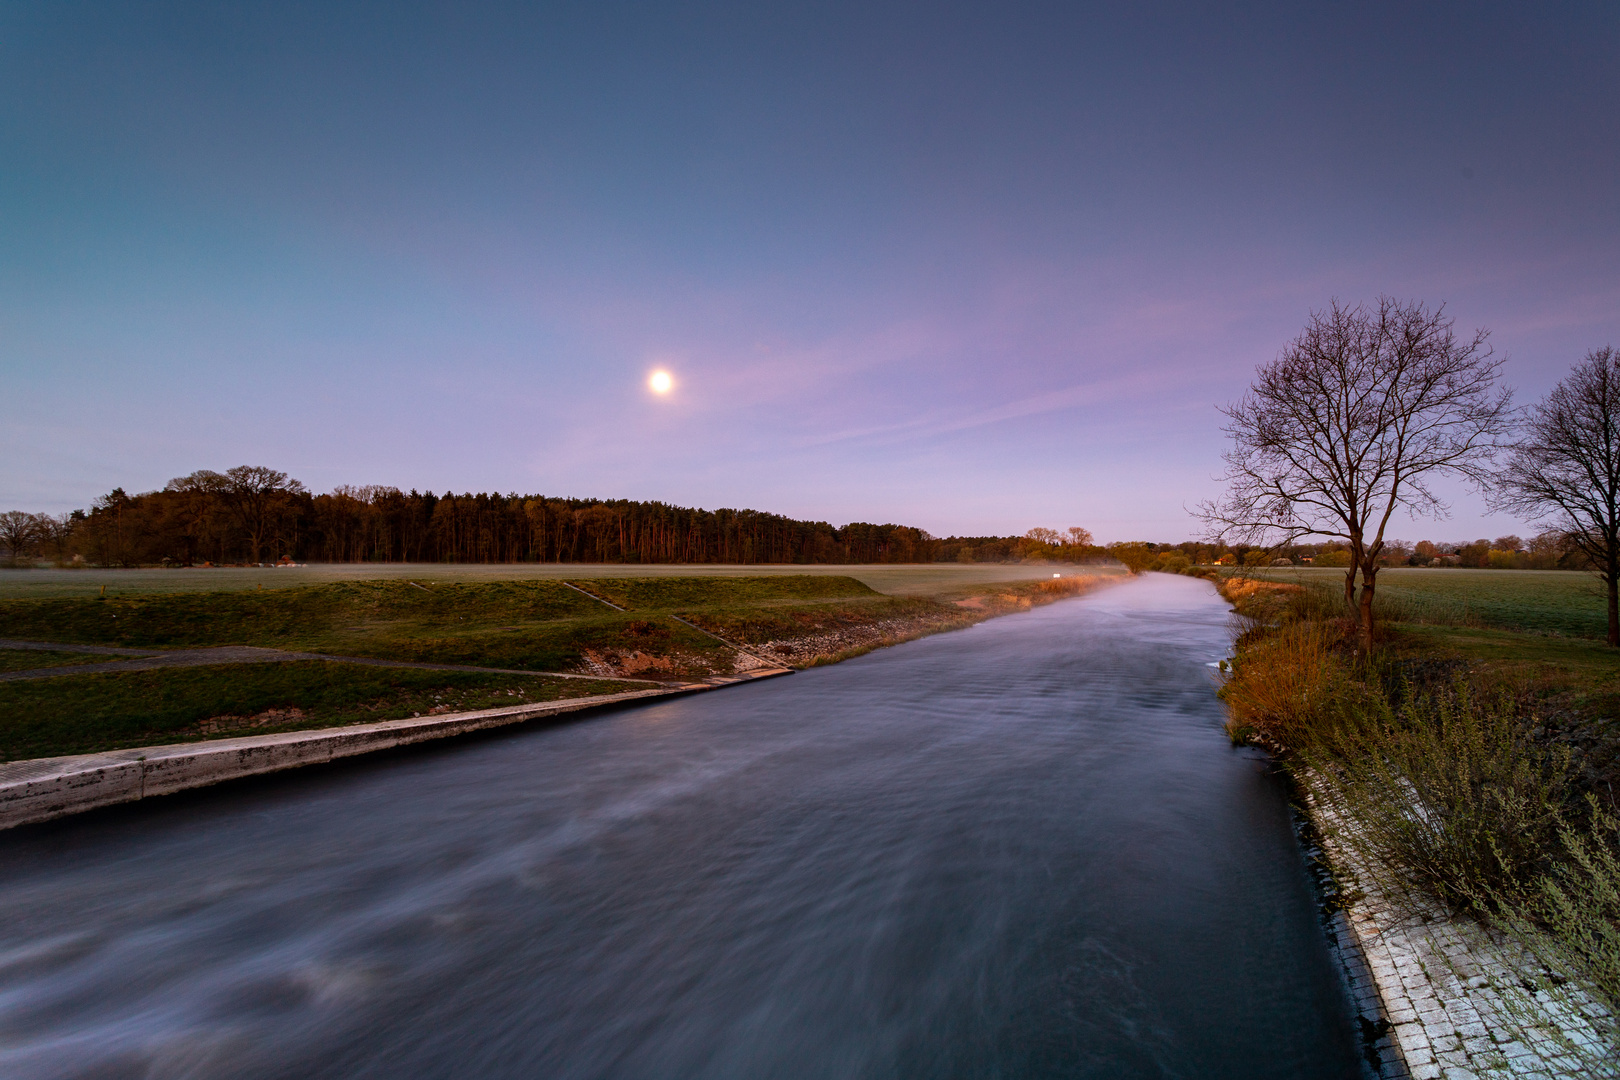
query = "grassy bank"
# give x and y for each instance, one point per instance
(26, 659)
(891, 579)
(536, 624)
(76, 714)
(667, 629)
(1460, 767)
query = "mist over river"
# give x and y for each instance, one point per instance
(1025, 849)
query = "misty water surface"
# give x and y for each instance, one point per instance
(1020, 850)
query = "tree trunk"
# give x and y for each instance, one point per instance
(1350, 591)
(1369, 578)
(1611, 581)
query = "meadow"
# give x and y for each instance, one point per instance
(894, 579)
(1554, 602)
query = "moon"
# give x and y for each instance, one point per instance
(660, 382)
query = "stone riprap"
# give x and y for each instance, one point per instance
(43, 788)
(1454, 998)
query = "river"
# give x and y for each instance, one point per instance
(1025, 849)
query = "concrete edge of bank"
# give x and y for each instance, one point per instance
(40, 789)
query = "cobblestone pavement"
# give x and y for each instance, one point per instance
(1454, 1000)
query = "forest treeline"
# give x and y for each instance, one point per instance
(253, 514)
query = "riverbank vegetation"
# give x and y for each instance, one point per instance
(1460, 768)
(627, 626)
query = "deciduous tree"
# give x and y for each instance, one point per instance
(256, 497)
(1565, 469)
(1353, 421)
(19, 533)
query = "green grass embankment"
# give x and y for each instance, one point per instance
(76, 714)
(528, 625)
(27, 659)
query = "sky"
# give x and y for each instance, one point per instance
(974, 268)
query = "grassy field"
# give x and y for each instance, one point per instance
(1536, 601)
(75, 714)
(906, 579)
(1534, 635)
(24, 659)
(533, 625)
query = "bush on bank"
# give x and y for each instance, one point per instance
(1442, 795)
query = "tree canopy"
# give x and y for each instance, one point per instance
(1565, 468)
(1353, 421)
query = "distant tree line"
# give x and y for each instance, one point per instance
(254, 514)
(1550, 550)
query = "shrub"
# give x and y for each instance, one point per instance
(1442, 795)
(1570, 918)
(1286, 684)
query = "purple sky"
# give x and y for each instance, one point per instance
(973, 268)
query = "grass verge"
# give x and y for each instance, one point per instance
(28, 659)
(78, 714)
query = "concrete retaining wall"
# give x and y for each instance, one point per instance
(45, 788)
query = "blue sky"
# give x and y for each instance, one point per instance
(971, 267)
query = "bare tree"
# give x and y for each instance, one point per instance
(19, 533)
(200, 494)
(1565, 469)
(55, 533)
(1354, 420)
(256, 496)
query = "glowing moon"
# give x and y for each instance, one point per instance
(660, 382)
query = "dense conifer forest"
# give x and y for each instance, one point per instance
(253, 514)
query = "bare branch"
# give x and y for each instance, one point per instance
(1350, 423)
(1565, 470)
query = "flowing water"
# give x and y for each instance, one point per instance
(1020, 850)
